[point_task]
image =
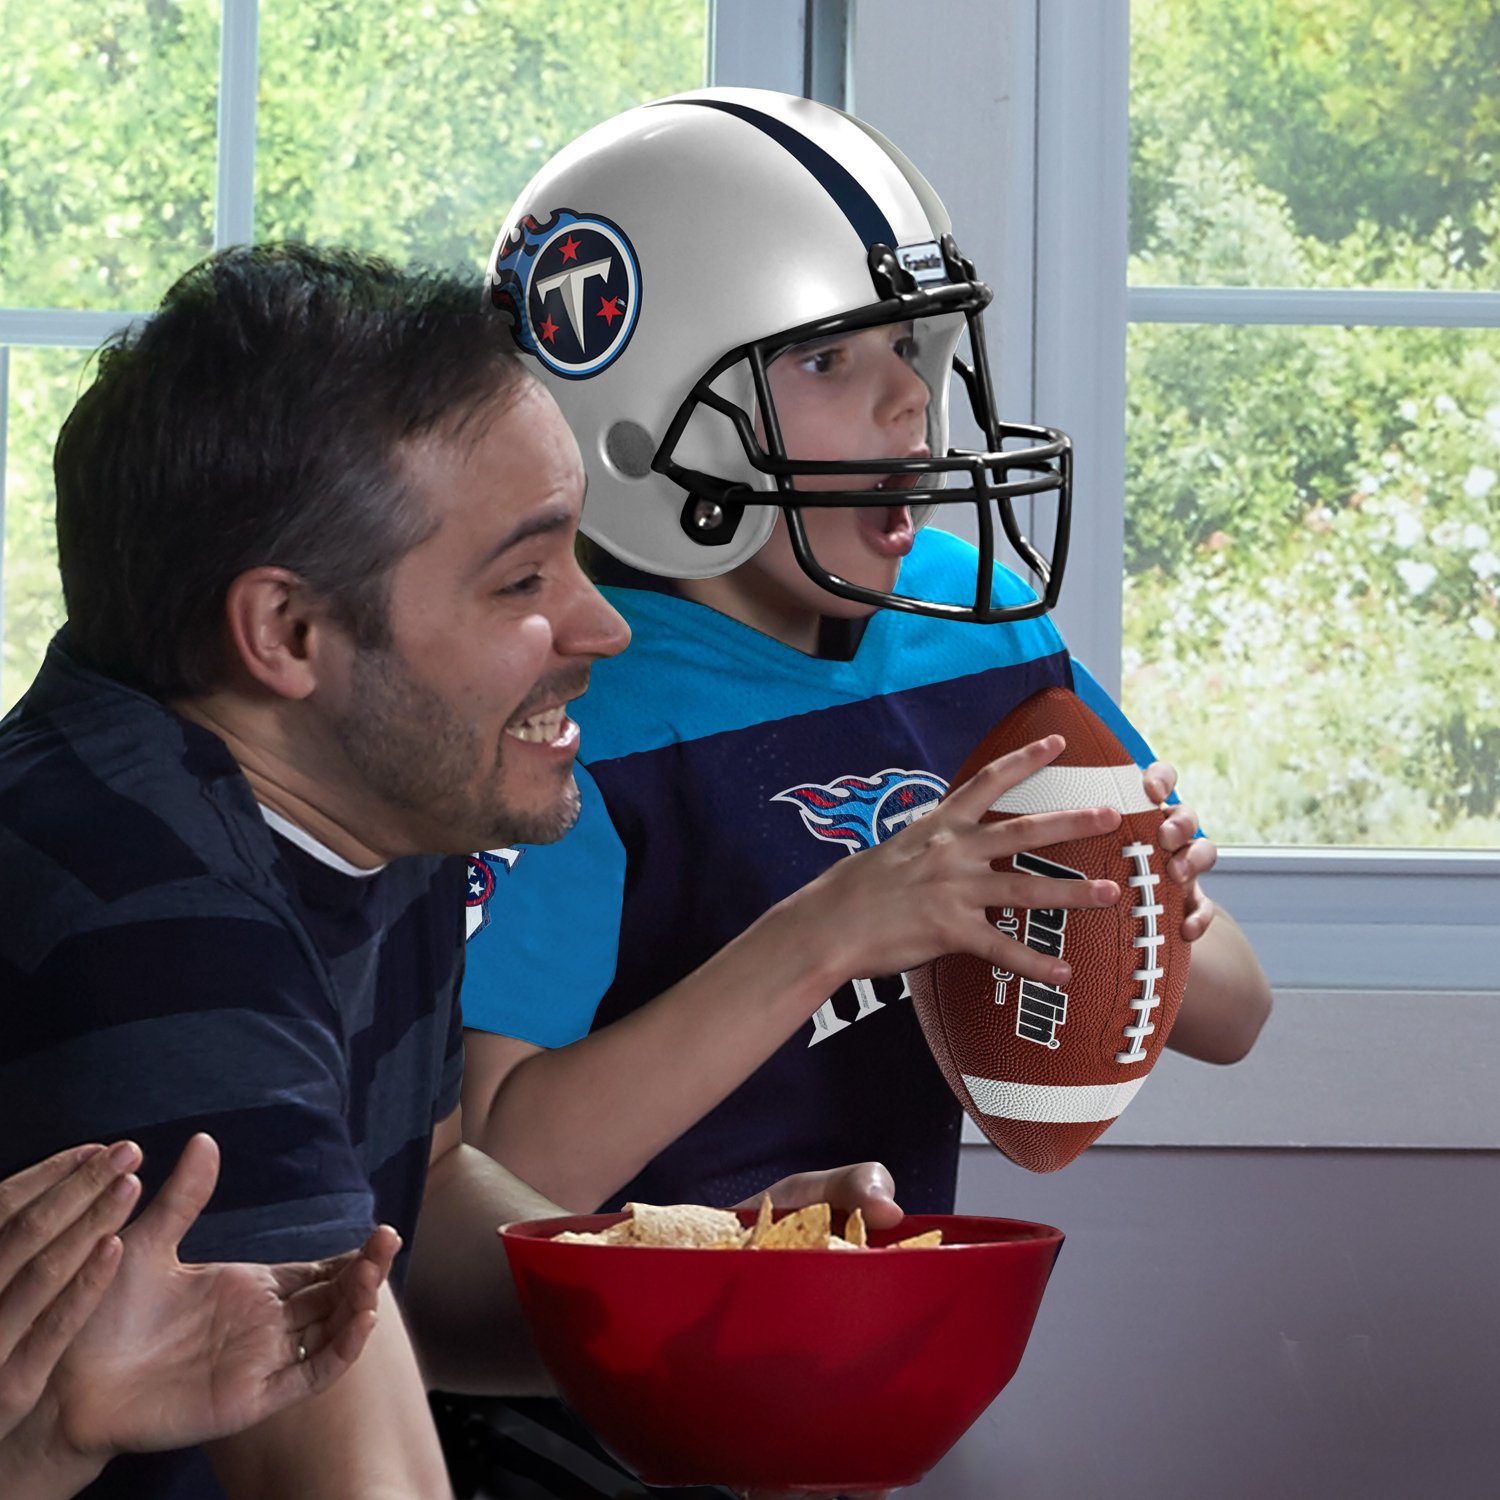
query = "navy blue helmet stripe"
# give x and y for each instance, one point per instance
(861, 210)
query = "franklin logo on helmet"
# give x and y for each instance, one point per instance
(707, 196)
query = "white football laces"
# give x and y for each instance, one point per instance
(1144, 882)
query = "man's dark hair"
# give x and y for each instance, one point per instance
(255, 420)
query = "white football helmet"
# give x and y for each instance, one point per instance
(656, 266)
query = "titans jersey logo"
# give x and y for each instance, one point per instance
(571, 286)
(862, 811)
(480, 886)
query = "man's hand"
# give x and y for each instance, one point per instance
(178, 1354)
(925, 891)
(1188, 856)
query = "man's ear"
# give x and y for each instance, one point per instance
(277, 630)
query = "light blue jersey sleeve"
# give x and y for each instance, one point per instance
(544, 929)
(1087, 687)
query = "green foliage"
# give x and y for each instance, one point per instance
(1347, 111)
(1313, 514)
(402, 128)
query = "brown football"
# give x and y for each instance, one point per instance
(1042, 1071)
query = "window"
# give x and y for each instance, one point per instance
(1021, 120)
(1312, 491)
(136, 138)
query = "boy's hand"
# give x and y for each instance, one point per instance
(925, 891)
(866, 1186)
(1188, 856)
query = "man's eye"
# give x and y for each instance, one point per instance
(821, 361)
(527, 585)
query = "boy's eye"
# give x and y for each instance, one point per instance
(906, 347)
(820, 361)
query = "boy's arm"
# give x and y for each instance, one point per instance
(1228, 996)
(580, 1120)
(1227, 999)
(459, 1297)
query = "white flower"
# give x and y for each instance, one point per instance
(1481, 627)
(1418, 577)
(1408, 529)
(1485, 564)
(1479, 481)
(1408, 410)
(1445, 405)
(1475, 535)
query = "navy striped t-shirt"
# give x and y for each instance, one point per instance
(168, 964)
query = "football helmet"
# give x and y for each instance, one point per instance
(655, 268)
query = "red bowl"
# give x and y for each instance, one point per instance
(791, 1369)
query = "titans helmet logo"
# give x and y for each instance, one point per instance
(571, 287)
(862, 811)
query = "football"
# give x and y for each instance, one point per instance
(1043, 1072)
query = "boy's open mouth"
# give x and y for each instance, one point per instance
(889, 530)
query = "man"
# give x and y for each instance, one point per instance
(315, 532)
(315, 529)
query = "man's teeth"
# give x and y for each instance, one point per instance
(539, 729)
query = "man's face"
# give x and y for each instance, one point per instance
(458, 728)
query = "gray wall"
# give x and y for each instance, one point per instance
(1249, 1324)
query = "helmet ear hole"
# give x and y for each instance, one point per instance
(628, 449)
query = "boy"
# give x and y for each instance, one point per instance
(744, 295)
(749, 306)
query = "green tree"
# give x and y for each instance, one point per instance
(406, 129)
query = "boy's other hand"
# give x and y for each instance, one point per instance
(866, 1185)
(925, 891)
(1188, 856)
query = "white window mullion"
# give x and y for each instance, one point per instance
(758, 44)
(1082, 242)
(1351, 308)
(4, 426)
(239, 81)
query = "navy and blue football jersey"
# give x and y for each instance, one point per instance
(719, 771)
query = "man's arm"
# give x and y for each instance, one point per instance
(368, 1438)
(578, 1121)
(459, 1296)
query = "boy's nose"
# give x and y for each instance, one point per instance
(906, 396)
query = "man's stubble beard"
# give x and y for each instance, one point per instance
(416, 755)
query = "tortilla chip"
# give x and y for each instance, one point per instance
(919, 1241)
(802, 1229)
(764, 1218)
(685, 1226)
(854, 1230)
